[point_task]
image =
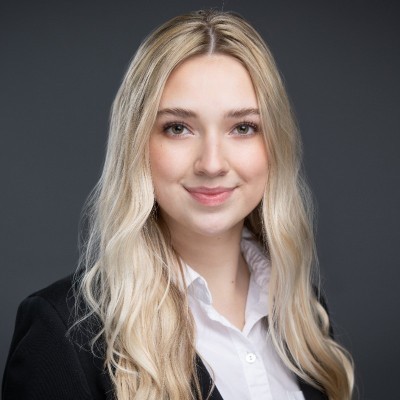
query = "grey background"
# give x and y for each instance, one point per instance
(61, 64)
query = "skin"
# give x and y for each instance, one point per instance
(209, 168)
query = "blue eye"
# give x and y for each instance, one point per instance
(246, 128)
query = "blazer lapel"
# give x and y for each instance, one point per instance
(205, 381)
(310, 392)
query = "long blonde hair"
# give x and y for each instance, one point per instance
(127, 275)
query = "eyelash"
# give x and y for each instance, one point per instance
(250, 124)
(169, 125)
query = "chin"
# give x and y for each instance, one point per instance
(216, 228)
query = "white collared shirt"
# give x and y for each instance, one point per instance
(243, 364)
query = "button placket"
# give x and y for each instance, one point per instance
(250, 357)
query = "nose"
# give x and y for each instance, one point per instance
(211, 158)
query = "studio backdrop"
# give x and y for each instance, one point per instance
(61, 64)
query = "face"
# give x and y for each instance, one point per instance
(207, 152)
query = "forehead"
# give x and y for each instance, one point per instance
(216, 80)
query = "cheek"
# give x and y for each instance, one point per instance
(254, 165)
(166, 166)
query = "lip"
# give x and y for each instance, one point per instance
(210, 196)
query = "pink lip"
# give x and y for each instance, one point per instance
(210, 196)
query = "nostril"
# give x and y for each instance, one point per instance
(211, 165)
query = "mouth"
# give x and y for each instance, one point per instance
(210, 196)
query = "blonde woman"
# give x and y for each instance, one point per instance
(196, 278)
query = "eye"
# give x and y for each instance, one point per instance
(176, 129)
(245, 129)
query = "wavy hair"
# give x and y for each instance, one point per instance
(127, 276)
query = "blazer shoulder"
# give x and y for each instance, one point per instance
(45, 361)
(59, 295)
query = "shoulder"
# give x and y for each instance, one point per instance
(50, 308)
(56, 291)
(46, 309)
(44, 360)
(58, 296)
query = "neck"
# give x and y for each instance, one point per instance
(218, 259)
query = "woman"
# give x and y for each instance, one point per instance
(196, 277)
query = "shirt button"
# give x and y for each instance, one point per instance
(250, 358)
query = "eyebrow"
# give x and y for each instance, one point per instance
(185, 113)
(178, 112)
(242, 112)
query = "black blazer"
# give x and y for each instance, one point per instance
(44, 364)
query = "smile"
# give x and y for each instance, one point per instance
(210, 196)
